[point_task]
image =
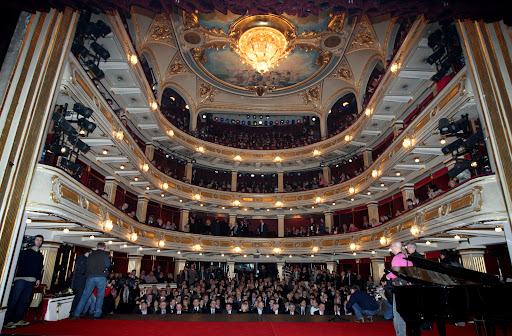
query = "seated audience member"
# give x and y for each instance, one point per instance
(410, 203)
(353, 228)
(124, 207)
(150, 278)
(229, 309)
(433, 191)
(453, 182)
(179, 309)
(362, 304)
(162, 309)
(321, 310)
(143, 310)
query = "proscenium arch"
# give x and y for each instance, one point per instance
(370, 66)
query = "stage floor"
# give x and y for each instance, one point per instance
(200, 325)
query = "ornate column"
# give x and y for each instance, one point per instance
(473, 259)
(49, 251)
(331, 265)
(111, 188)
(367, 157)
(142, 208)
(184, 213)
(488, 54)
(234, 176)
(232, 220)
(150, 151)
(329, 220)
(280, 267)
(280, 225)
(377, 269)
(323, 125)
(327, 173)
(280, 181)
(188, 171)
(32, 72)
(134, 263)
(231, 269)
(373, 211)
(407, 193)
(398, 126)
(179, 264)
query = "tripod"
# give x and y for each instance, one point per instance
(337, 317)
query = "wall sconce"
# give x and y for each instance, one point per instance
(161, 243)
(108, 225)
(145, 167)
(119, 135)
(133, 237)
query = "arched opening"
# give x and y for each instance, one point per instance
(175, 109)
(147, 67)
(342, 114)
(373, 82)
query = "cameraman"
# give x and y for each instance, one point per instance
(98, 265)
(28, 274)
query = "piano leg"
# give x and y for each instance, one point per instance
(441, 327)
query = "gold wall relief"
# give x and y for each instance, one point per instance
(344, 71)
(191, 20)
(161, 30)
(311, 96)
(336, 23)
(207, 92)
(198, 54)
(364, 36)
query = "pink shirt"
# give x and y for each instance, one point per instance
(398, 261)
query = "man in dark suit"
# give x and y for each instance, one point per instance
(212, 309)
(321, 310)
(162, 309)
(195, 309)
(192, 275)
(143, 309)
(291, 310)
(78, 281)
(262, 229)
(203, 274)
(303, 309)
(260, 309)
(229, 309)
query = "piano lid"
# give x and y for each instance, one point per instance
(436, 271)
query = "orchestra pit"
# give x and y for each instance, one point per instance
(310, 167)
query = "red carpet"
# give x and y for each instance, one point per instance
(166, 328)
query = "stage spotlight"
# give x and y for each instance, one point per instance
(98, 29)
(86, 125)
(453, 147)
(100, 51)
(74, 167)
(459, 168)
(63, 124)
(78, 143)
(474, 139)
(59, 150)
(92, 67)
(459, 127)
(436, 56)
(80, 49)
(82, 110)
(435, 39)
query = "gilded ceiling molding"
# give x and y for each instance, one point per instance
(190, 20)
(136, 24)
(364, 36)
(207, 92)
(311, 96)
(177, 66)
(388, 35)
(160, 31)
(344, 71)
(337, 22)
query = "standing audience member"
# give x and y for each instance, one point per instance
(78, 282)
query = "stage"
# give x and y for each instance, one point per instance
(233, 325)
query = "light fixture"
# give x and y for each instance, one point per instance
(237, 249)
(179, 252)
(133, 59)
(197, 247)
(276, 250)
(158, 251)
(268, 256)
(373, 252)
(110, 242)
(262, 43)
(354, 253)
(316, 152)
(333, 203)
(318, 199)
(200, 149)
(236, 203)
(66, 230)
(125, 245)
(368, 112)
(222, 255)
(197, 197)
(498, 229)
(147, 188)
(347, 137)
(369, 193)
(223, 208)
(279, 204)
(245, 255)
(428, 242)
(105, 152)
(353, 246)
(170, 132)
(394, 67)
(443, 141)
(154, 105)
(352, 199)
(312, 256)
(415, 230)
(456, 237)
(245, 209)
(200, 254)
(383, 241)
(145, 167)
(133, 237)
(417, 160)
(312, 207)
(108, 225)
(382, 185)
(119, 135)
(135, 179)
(290, 256)
(278, 159)
(121, 167)
(165, 186)
(407, 143)
(397, 174)
(186, 106)
(237, 158)
(375, 173)
(351, 190)
(162, 194)
(140, 248)
(91, 237)
(315, 249)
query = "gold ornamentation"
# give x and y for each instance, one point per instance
(190, 20)
(161, 29)
(344, 72)
(177, 66)
(261, 90)
(207, 92)
(311, 96)
(310, 33)
(198, 54)
(336, 23)
(364, 36)
(480, 202)
(323, 58)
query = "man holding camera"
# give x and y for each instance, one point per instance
(29, 273)
(98, 264)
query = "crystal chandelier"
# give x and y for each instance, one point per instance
(262, 48)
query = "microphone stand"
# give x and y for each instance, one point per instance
(337, 317)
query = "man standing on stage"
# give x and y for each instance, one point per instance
(29, 273)
(97, 271)
(397, 262)
(78, 281)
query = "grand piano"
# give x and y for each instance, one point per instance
(440, 292)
